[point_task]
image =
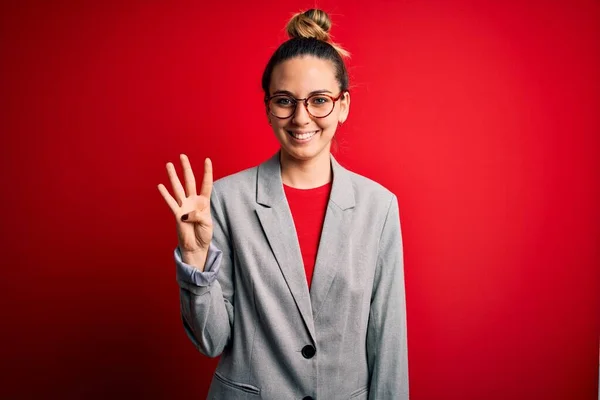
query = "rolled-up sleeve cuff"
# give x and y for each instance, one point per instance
(189, 274)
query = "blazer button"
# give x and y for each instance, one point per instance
(308, 351)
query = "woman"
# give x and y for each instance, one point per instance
(290, 322)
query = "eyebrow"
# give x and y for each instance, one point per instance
(310, 94)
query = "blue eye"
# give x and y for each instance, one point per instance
(319, 100)
(284, 102)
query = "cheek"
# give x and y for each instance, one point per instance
(278, 124)
(328, 124)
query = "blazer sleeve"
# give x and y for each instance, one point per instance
(206, 298)
(387, 353)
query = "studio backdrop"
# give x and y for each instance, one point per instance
(482, 117)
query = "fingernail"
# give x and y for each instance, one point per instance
(184, 217)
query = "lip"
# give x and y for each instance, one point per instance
(302, 132)
(301, 141)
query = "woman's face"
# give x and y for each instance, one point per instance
(301, 77)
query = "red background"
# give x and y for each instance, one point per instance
(481, 116)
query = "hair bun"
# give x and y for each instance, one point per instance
(313, 23)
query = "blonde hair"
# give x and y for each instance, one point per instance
(313, 23)
(309, 36)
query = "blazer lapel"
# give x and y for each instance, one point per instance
(278, 225)
(334, 240)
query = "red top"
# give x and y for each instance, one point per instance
(308, 207)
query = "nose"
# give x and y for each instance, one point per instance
(301, 115)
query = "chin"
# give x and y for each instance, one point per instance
(307, 152)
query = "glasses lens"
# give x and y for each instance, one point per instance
(320, 105)
(282, 106)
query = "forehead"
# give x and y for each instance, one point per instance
(302, 75)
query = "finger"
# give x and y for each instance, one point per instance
(207, 180)
(188, 175)
(171, 202)
(175, 184)
(194, 217)
(200, 213)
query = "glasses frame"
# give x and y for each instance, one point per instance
(305, 102)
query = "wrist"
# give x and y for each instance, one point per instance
(195, 258)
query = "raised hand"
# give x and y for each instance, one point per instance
(191, 211)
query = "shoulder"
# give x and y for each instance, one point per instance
(241, 181)
(369, 186)
(368, 191)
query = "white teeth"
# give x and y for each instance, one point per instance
(304, 136)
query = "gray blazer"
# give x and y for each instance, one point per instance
(345, 338)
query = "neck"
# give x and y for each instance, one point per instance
(306, 174)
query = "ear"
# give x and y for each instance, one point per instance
(344, 107)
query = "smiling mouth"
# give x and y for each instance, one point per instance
(302, 136)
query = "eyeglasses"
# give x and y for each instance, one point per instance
(318, 105)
